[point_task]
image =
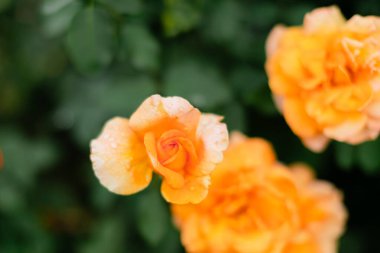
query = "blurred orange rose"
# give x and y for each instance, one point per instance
(325, 77)
(165, 135)
(255, 204)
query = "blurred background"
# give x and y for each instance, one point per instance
(66, 66)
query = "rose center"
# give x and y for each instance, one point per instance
(171, 153)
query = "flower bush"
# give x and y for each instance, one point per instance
(67, 67)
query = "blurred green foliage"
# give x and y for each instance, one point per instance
(66, 66)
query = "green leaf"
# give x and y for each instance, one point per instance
(201, 83)
(267, 11)
(49, 59)
(224, 22)
(91, 40)
(368, 156)
(247, 82)
(180, 16)
(58, 15)
(102, 199)
(152, 216)
(11, 197)
(126, 94)
(87, 104)
(251, 85)
(140, 47)
(25, 158)
(171, 242)
(353, 241)
(124, 7)
(4, 4)
(229, 20)
(294, 14)
(23, 232)
(52, 6)
(345, 155)
(11, 98)
(108, 236)
(367, 7)
(234, 117)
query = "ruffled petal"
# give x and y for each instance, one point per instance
(254, 241)
(174, 178)
(273, 40)
(326, 213)
(250, 152)
(157, 112)
(359, 24)
(325, 19)
(297, 118)
(194, 190)
(316, 143)
(214, 138)
(119, 159)
(373, 109)
(344, 131)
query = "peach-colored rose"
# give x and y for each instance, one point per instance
(255, 204)
(325, 77)
(165, 135)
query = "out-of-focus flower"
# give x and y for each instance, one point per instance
(165, 135)
(255, 204)
(325, 77)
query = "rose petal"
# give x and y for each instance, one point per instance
(214, 137)
(251, 152)
(273, 40)
(172, 177)
(194, 190)
(303, 243)
(255, 241)
(328, 211)
(316, 143)
(362, 136)
(156, 112)
(278, 102)
(302, 173)
(373, 124)
(119, 159)
(353, 98)
(297, 118)
(374, 109)
(343, 131)
(325, 19)
(236, 138)
(360, 24)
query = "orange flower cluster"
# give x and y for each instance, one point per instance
(255, 204)
(165, 135)
(325, 77)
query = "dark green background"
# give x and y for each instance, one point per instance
(66, 66)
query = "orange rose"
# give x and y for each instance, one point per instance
(325, 77)
(165, 135)
(255, 204)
